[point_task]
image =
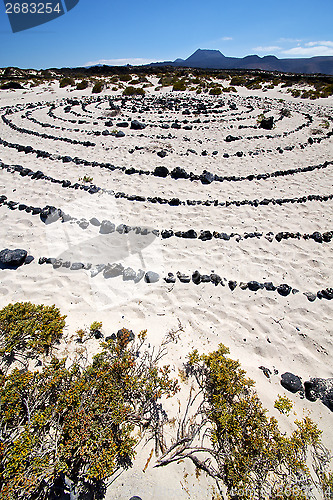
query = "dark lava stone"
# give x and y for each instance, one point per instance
(189, 234)
(284, 289)
(205, 235)
(151, 277)
(183, 278)
(232, 285)
(215, 278)
(291, 382)
(196, 278)
(253, 286)
(170, 278)
(161, 172)
(107, 227)
(179, 173)
(12, 258)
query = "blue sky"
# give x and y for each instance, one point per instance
(140, 31)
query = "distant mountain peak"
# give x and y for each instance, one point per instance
(214, 59)
(207, 53)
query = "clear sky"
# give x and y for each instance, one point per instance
(140, 31)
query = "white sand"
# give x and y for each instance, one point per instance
(262, 328)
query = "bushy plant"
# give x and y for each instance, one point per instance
(78, 425)
(65, 82)
(285, 113)
(231, 438)
(283, 405)
(98, 87)
(125, 78)
(82, 85)
(179, 85)
(95, 325)
(238, 81)
(215, 91)
(29, 329)
(86, 178)
(131, 91)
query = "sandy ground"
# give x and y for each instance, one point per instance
(261, 328)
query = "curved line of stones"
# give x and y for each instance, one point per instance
(50, 214)
(92, 189)
(150, 124)
(115, 270)
(28, 116)
(226, 117)
(233, 138)
(226, 155)
(52, 115)
(177, 173)
(22, 130)
(176, 124)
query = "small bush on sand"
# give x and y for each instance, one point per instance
(125, 78)
(225, 432)
(82, 85)
(98, 87)
(64, 430)
(65, 82)
(27, 329)
(215, 91)
(180, 86)
(131, 91)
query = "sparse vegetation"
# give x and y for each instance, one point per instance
(285, 113)
(70, 428)
(131, 91)
(82, 85)
(179, 86)
(225, 431)
(125, 78)
(86, 178)
(65, 82)
(215, 91)
(28, 330)
(98, 87)
(283, 404)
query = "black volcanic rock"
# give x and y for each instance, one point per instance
(136, 125)
(161, 172)
(267, 123)
(291, 382)
(11, 259)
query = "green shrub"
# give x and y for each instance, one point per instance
(95, 325)
(86, 178)
(231, 438)
(238, 81)
(283, 404)
(98, 87)
(82, 423)
(130, 91)
(325, 124)
(82, 85)
(26, 328)
(215, 91)
(179, 86)
(125, 78)
(65, 82)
